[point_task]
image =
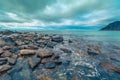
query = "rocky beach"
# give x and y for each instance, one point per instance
(38, 56)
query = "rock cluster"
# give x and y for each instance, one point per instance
(34, 48)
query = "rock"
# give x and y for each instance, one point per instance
(6, 48)
(65, 50)
(12, 61)
(58, 62)
(19, 43)
(109, 66)
(3, 62)
(5, 67)
(9, 40)
(3, 59)
(6, 54)
(45, 60)
(27, 52)
(92, 53)
(46, 78)
(50, 65)
(34, 61)
(1, 51)
(2, 43)
(51, 44)
(45, 53)
(57, 38)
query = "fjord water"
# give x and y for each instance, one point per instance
(90, 35)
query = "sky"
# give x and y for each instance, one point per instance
(58, 14)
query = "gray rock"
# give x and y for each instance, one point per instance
(5, 67)
(34, 61)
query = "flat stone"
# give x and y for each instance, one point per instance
(45, 53)
(50, 65)
(5, 67)
(34, 61)
(6, 54)
(27, 52)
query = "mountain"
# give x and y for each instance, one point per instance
(115, 26)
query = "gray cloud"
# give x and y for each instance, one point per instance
(56, 12)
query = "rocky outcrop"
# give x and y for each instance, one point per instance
(115, 26)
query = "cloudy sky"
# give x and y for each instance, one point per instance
(58, 14)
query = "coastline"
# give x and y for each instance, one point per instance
(44, 56)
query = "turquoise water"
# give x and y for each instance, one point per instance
(91, 35)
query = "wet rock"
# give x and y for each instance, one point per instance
(6, 47)
(6, 54)
(45, 53)
(1, 51)
(51, 44)
(2, 43)
(57, 38)
(58, 62)
(19, 43)
(3, 62)
(5, 68)
(3, 59)
(109, 66)
(12, 61)
(50, 65)
(9, 40)
(65, 50)
(27, 52)
(92, 53)
(34, 61)
(46, 78)
(45, 60)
